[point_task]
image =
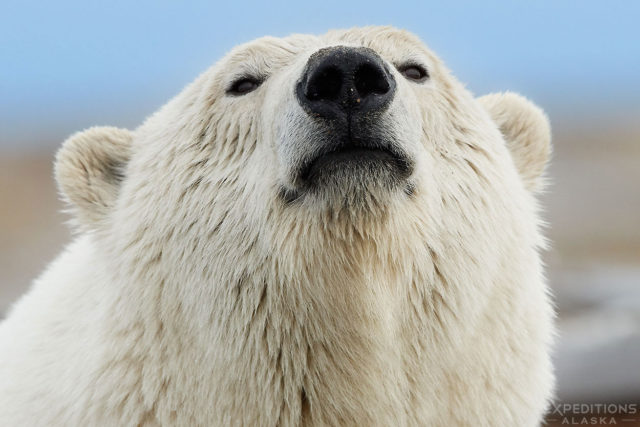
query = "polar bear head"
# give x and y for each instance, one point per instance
(309, 147)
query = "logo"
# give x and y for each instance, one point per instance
(596, 414)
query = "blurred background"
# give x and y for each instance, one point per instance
(68, 65)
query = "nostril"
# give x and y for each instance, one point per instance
(370, 79)
(324, 84)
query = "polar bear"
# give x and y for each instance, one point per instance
(320, 230)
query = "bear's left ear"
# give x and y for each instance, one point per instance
(527, 132)
(89, 170)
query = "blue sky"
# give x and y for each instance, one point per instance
(66, 65)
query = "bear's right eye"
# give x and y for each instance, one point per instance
(243, 86)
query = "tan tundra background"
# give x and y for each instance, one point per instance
(69, 65)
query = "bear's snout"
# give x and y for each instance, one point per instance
(347, 93)
(339, 82)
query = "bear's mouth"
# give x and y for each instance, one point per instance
(352, 157)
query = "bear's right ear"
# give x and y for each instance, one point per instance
(89, 170)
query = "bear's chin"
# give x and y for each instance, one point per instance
(344, 182)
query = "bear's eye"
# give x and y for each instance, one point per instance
(414, 72)
(243, 86)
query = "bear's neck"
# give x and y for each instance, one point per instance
(309, 330)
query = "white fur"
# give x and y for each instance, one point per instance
(194, 296)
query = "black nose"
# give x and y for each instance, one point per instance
(339, 81)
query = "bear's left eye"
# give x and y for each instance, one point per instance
(414, 72)
(243, 86)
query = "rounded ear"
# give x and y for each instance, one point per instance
(527, 132)
(89, 170)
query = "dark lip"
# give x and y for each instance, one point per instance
(349, 153)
